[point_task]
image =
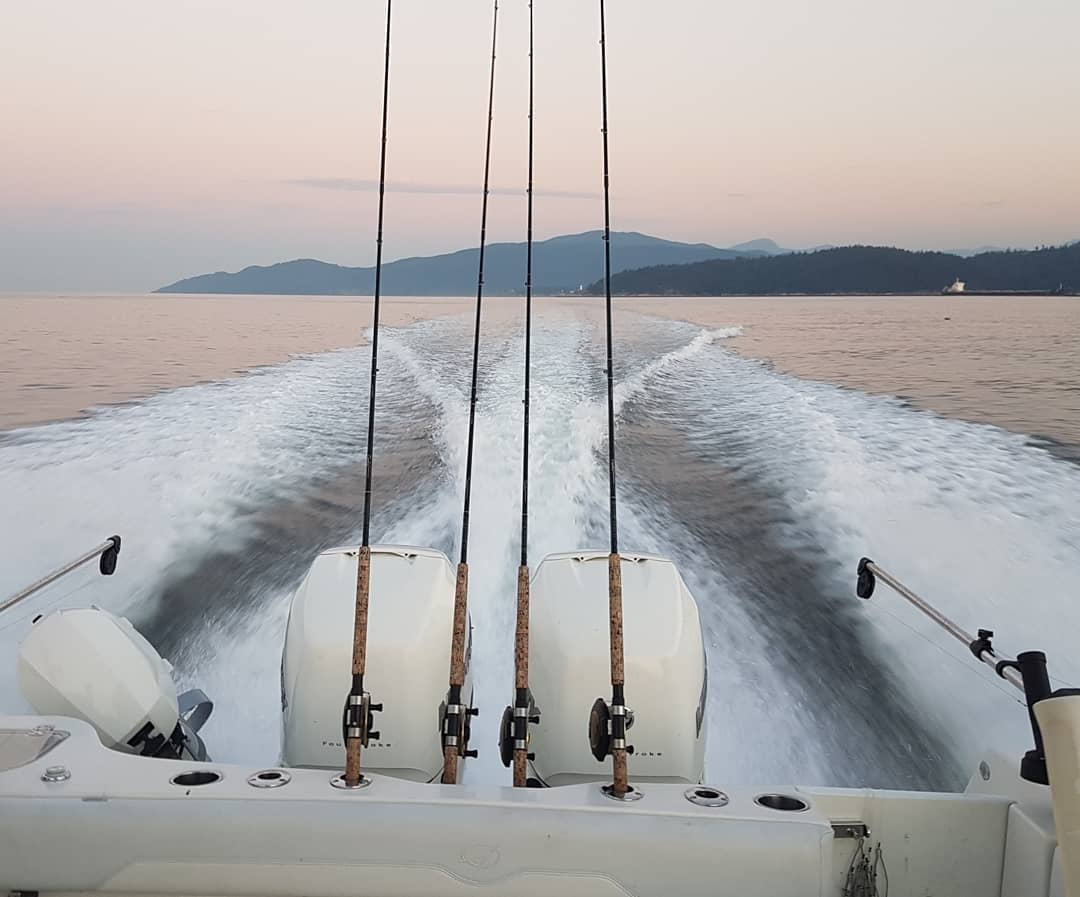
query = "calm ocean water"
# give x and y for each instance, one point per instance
(765, 445)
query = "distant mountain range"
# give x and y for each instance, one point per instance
(763, 246)
(561, 264)
(649, 265)
(857, 269)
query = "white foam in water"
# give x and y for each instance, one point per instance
(174, 475)
(567, 497)
(639, 380)
(565, 492)
(237, 663)
(983, 524)
(568, 488)
(977, 520)
(758, 730)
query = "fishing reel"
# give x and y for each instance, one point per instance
(358, 721)
(608, 724)
(455, 724)
(514, 728)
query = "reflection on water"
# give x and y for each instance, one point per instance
(1014, 362)
(60, 355)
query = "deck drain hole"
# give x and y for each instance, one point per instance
(783, 802)
(196, 777)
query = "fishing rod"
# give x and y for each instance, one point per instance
(107, 551)
(1027, 672)
(608, 723)
(455, 729)
(514, 732)
(358, 721)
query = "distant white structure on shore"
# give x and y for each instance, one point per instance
(957, 287)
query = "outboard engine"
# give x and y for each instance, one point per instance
(410, 621)
(92, 665)
(569, 666)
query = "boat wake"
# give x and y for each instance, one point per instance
(765, 488)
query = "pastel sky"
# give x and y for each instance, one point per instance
(143, 141)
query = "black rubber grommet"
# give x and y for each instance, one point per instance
(864, 588)
(107, 564)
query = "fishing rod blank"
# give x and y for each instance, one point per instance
(455, 733)
(514, 732)
(358, 721)
(608, 723)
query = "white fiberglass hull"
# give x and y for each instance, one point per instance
(118, 825)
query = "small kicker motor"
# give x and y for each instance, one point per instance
(92, 665)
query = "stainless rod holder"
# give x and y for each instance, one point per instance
(1027, 672)
(979, 645)
(107, 551)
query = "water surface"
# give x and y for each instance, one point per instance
(765, 486)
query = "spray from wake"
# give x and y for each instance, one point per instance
(568, 507)
(800, 479)
(764, 488)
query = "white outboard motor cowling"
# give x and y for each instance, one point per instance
(410, 622)
(92, 665)
(569, 668)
